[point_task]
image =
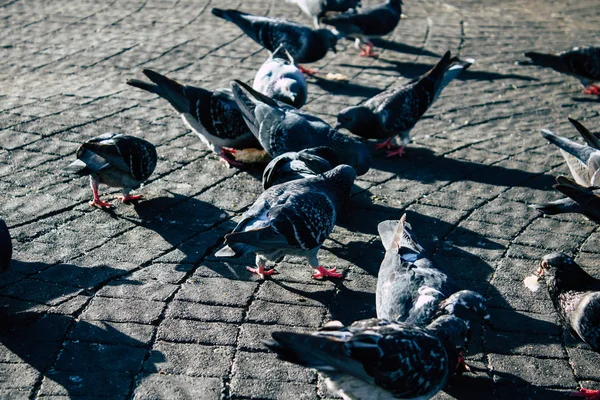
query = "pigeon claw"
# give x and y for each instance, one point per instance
(368, 51)
(326, 273)
(587, 394)
(127, 198)
(398, 152)
(307, 71)
(100, 204)
(385, 145)
(260, 271)
(228, 156)
(462, 366)
(592, 89)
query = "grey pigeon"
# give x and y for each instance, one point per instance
(580, 62)
(378, 359)
(212, 115)
(292, 218)
(115, 160)
(318, 8)
(588, 198)
(5, 246)
(297, 165)
(395, 112)
(305, 44)
(368, 22)
(409, 286)
(576, 298)
(279, 79)
(280, 129)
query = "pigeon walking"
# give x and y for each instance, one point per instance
(279, 79)
(280, 129)
(212, 115)
(297, 165)
(292, 218)
(580, 62)
(576, 298)
(368, 22)
(115, 160)
(5, 246)
(318, 8)
(378, 359)
(304, 44)
(395, 112)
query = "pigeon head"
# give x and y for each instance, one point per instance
(329, 38)
(289, 91)
(359, 120)
(339, 182)
(452, 331)
(467, 305)
(561, 271)
(351, 151)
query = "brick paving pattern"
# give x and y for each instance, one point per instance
(131, 303)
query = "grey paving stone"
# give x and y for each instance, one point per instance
(189, 331)
(189, 359)
(123, 310)
(157, 386)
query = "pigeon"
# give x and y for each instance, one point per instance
(116, 160)
(580, 62)
(291, 218)
(587, 198)
(212, 115)
(5, 246)
(576, 298)
(411, 289)
(279, 79)
(297, 165)
(584, 162)
(304, 44)
(367, 22)
(396, 111)
(318, 8)
(280, 129)
(378, 359)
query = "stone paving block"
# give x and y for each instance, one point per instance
(260, 365)
(189, 331)
(81, 357)
(204, 312)
(266, 313)
(130, 334)
(129, 289)
(218, 291)
(541, 372)
(86, 384)
(18, 376)
(269, 389)
(189, 359)
(123, 310)
(157, 386)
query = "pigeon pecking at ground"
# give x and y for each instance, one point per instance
(580, 62)
(576, 298)
(367, 22)
(305, 44)
(395, 112)
(297, 165)
(293, 218)
(212, 115)
(378, 359)
(280, 79)
(5, 246)
(318, 8)
(116, 160)
(280, 129)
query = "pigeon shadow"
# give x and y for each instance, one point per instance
(411, 70)
(402, 48)
(96, 359)
(345, 88)
(586, 99)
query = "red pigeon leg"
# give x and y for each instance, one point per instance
(97, 202)
(462, 366)
(307, 71)
(589, 394)
(592, 89)
(326, 273)
(398, 152)
(127, 198)
(368, 51)
(228, 156)
(385, 145)
(260, 270)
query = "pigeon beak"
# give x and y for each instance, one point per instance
(540, 270)
(338, 126)
(334, 49)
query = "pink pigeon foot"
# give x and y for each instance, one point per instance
(592, 89)
(127, 198)
(368, 51)
(462, 366)
(326, 273)
(228, 156)
(398, 152)
(260, 271)
(100, 204)
(385, 145)
(587, 394)
(307, 71)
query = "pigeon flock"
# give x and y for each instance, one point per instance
(416, 343)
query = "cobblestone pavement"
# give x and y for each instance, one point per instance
(131, 303)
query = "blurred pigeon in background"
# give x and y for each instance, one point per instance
(292, 218)
(395, 112)
(318, 8)
(279, 79)
(116, 160)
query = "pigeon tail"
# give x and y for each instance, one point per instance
(588, 136)
(546, 60)
(79, 168)
(247, 100)
(166, 88)
(561, 206)
(284, 56)
(237, 17)
(579, 151)
(457, 67)
(397, 238)
(227, 251)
